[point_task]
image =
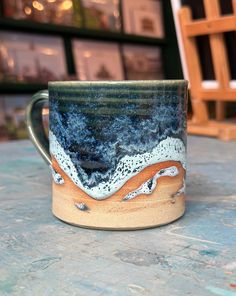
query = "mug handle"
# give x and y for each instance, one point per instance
(35, 124)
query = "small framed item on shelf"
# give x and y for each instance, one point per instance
(143, 62)
(12, 117)
(143, 17)
(97, 60)
(102, 14)
(44, 11)
(26, 58)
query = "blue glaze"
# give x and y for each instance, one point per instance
(98, 125)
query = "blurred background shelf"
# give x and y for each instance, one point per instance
(25, 88)
(138, 43)
(53, 29)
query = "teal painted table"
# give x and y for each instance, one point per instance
(40, 255)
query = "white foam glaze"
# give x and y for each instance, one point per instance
(148, 186)
(128, 166)
(181, 190)
(56, 177)
(82, 206)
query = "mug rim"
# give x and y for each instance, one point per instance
(74, 83)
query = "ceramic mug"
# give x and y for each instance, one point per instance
(117, 151)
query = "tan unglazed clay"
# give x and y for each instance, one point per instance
(162, 206)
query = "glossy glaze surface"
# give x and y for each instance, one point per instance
(103, 134)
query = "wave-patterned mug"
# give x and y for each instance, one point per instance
(117, 151)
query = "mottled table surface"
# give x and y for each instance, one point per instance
(40, 255)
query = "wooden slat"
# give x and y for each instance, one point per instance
(214, 26)
(224, 131)
(234, 6)
(199, 108)
(200, 111)
(227, 133)
(220, 110)
(219, 95)
(204, 130)
(219, 55)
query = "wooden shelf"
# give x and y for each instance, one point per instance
(51, 29)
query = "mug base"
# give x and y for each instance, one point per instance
(139, 215)
(117, 228)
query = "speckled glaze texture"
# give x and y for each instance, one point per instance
(118, 152)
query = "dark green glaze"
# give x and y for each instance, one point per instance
(35, 124)
(119, 86)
